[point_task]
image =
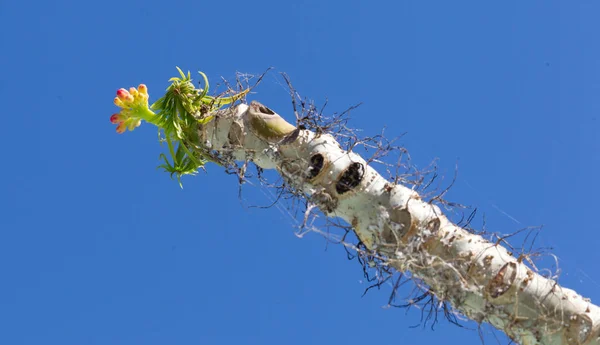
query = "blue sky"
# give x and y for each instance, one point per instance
(97, 246)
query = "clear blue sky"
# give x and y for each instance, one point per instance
(97, 246)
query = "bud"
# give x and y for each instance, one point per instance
(121, 127)
(143, 89)
(119, 103)
(117, 118)
(123, 94)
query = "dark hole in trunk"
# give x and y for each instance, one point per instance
(316, 164)
(350, 178)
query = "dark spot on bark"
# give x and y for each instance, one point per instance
(403, 220)
(235, 135)
(434, 225)
(265, 110)
(503, 280)
(316, 164)
(388, 187)
(324, 201)
(291, 137)
(350, 178)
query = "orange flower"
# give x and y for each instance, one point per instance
(134, 108)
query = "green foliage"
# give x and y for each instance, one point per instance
(179, 113)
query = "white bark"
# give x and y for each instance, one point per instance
(481, 280)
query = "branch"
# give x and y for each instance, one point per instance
(480, 279)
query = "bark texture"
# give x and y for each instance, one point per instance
(481, 280)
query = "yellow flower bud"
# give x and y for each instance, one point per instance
(143, 89)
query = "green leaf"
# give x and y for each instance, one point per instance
(177, 117)
(180, 72)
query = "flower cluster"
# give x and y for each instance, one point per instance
(179, 113)
(134, 108)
